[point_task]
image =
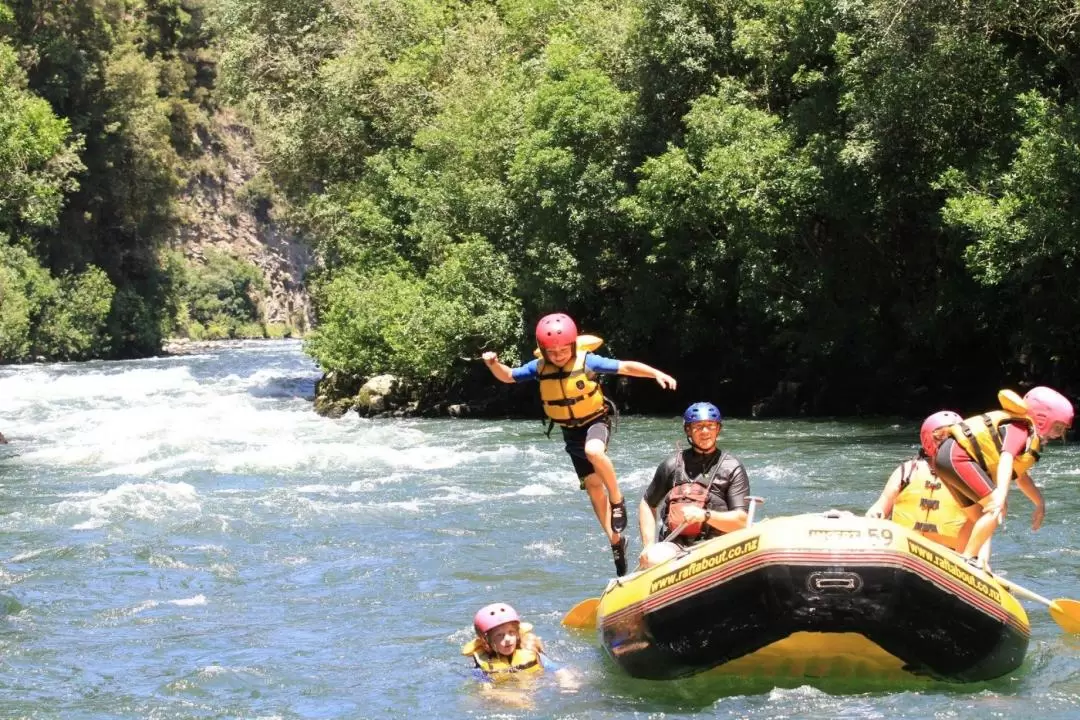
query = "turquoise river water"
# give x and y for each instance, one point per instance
(183, 537)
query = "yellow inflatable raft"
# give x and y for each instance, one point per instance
(823, 595)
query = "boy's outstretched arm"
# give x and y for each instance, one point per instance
(498, 369)
(640, 369)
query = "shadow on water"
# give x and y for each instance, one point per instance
(9, 606)
(705, 689)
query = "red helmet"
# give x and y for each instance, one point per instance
(492, 616)
(555, 330)
(1047, 406)
(940, 419)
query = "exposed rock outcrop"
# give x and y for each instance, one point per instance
(230, 207)
(379, 396)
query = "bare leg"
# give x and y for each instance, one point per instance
(984, 555)
(964, 536)
(599, 499)
(596, 452)
(984, 528)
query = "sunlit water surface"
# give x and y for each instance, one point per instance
(184, 538)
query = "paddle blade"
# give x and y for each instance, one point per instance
(1066, 614)
(582, 615)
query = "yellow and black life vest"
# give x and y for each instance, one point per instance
(571, 395)
(980, 436)
(496, 666)
(926, 505)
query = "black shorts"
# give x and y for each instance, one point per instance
(575, 439)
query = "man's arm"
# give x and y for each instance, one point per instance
(654, 495)
(883, 506)
(737, 499)
(646, 523)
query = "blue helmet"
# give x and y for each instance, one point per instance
(701, 412)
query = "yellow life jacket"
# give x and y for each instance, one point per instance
(571, 395)
(926, 506)
(499, 668)
(496, 666)
(980, 437)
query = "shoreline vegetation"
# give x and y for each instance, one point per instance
(796, 209)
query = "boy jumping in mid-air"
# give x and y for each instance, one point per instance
(572, 398)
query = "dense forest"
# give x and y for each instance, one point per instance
(852, 206)
(106, 117)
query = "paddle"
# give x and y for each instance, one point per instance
(583, 615)
(753, 500)
(1066, 612)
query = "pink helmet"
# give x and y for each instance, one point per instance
(555, 330)
(940, 419)
(1047, 406)
(492, 616)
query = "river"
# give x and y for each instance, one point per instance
(183, 537)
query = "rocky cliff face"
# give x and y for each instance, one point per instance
(230, 207)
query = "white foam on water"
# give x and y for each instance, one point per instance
(639, 478)
(68, 385)
(409, 505)
(774, 472)
(544, 549)
(189, 602)
(153, 501)
(565, 479)
(221, 670)
(535, 491)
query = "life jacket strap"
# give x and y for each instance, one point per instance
(569, 402)
(974, 442)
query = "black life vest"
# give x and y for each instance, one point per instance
(693, 492)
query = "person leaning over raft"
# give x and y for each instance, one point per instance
(702, 486)
(979, 457)
(916, 498)
(572, 398)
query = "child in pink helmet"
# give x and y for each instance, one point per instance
(983, 453)
(506, 648)
(503, 646)
(566, 370)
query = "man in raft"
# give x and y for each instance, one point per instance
(703, 490)
(979, 456)
(566, 370)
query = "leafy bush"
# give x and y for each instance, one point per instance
(216, 299)
(63, 318)
(72, 323)
(277, 331)
(392, 320)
